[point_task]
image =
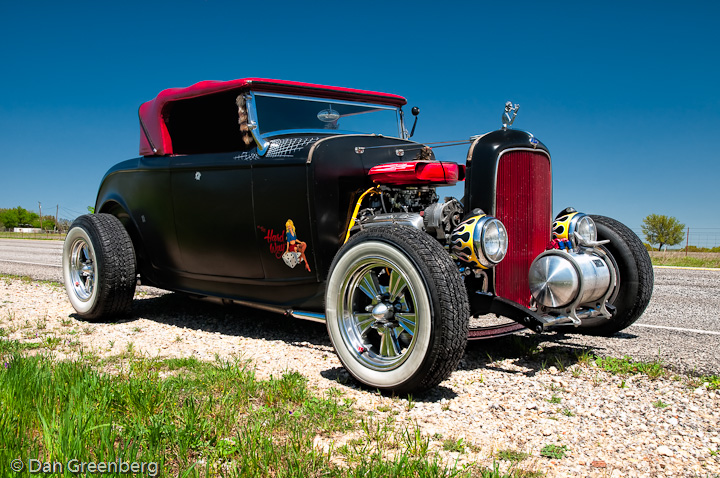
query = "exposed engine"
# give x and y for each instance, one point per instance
(415, 207)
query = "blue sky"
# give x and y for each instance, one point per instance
(625, 94)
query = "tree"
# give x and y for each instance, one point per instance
(663, 230)
(18, 217)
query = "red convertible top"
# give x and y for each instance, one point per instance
(155, 138)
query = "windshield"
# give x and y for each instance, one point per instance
(279, 113)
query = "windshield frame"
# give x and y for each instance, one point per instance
(261, 138)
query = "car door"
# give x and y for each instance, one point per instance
(212, 206)
(280, 198)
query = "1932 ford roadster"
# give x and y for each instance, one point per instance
(313, 201)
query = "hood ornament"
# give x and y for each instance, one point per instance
(509, 115)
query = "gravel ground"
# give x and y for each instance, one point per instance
(497, 400)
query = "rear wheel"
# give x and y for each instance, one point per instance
(99, 267)
(634, 278)
(396, 308)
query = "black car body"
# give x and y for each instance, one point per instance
(313, 201)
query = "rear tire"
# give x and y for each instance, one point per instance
(396, 308)
(99, 267)
(635, 278)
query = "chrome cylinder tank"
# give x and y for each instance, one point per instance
(559, 278)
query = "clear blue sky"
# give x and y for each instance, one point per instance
(625, 94)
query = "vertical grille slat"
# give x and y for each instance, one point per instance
(524, 205)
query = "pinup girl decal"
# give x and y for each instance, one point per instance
(295, 249)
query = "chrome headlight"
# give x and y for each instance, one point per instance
(493, 239)
(585, 227)
(481, 241)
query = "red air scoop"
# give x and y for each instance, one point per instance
(418, 173)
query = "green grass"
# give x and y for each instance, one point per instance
(511, 455)
(45, 236)
(628, 366)
(200, 419)
(677, 259)
(554, 451)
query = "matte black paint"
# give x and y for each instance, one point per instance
(214, 224)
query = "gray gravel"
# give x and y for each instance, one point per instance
(682, 299)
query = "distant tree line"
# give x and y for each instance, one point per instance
(21, 217)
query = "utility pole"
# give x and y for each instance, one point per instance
(57, 211)
(40, 206)
(687, 241)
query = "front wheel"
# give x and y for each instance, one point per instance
(634, 278)
(99, 267)
(396, 309)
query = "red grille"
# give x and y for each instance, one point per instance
(524, 205)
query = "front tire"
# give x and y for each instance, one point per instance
(396, 308)
(99, 267)
(635, 278)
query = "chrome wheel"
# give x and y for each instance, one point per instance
(82, 269)
(99, 267)
(378, 313)
(396, 309)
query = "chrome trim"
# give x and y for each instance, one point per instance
(305, 315)
(375, 106)
(332, 132)
(320, 99)
(262, 144)
(397, 218)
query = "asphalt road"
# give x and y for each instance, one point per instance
(681, 325)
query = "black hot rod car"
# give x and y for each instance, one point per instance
(313, 201)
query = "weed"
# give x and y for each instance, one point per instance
(130, 348)
(622, 384)
(66, 322)
(627, 366)
(136, 329)
(3, 332)
(511, 455)
(454, 445)
(554, 451)
(410, 403)
(660, 404)
(87, 330)
(567, 412)
(554, 399)
(585, 358)
(111, 343)
(416, 443)
(41, 324)
(712, 381)
(178, 338)
(51, 342)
